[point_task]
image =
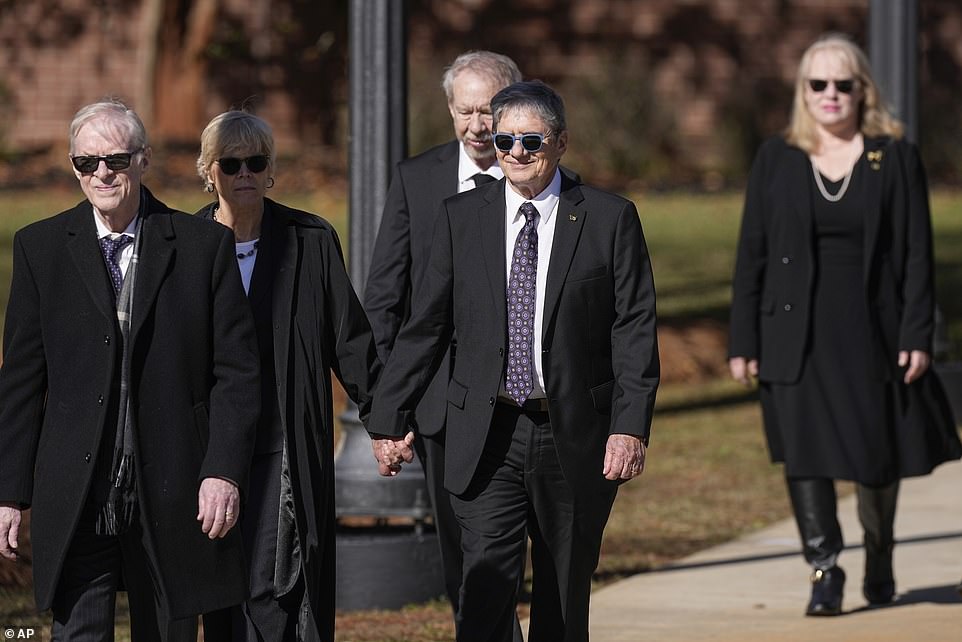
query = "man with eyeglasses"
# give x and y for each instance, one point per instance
(403, 245)
(128, 399)
(547, 285)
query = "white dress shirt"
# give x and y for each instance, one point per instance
(468, 168)
(547, 205)
(127, 251)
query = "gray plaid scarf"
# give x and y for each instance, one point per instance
(118, 512)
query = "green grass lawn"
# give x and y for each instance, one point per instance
(708, 478)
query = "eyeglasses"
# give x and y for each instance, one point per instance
(819, 85)
(114, 162)
(530, 142)
(255, 164)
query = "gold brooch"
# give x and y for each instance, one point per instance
(874, 159)
(572, 217)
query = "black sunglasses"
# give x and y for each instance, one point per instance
(842, 86)
(114, 162)
(530, 142)
(255, 164)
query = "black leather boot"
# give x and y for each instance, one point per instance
(827, 589)
(876, 512)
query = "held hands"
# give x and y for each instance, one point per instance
(390, 452)
(218, 506)
(743, 370)
(917, 361)
(9, 531)
(624, 457)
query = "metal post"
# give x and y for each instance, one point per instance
(378, 140)
(378, 118)
(893, 49)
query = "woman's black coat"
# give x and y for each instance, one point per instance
(775, 276)
(319, 327)
(775, 269)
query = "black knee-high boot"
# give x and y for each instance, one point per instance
(815, 506)
(876, 512)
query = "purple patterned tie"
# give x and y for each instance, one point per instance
(111, 249)
(519, 381)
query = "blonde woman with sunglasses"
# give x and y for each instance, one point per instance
(309, 323)
(832, 312)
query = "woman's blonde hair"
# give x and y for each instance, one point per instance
(234, 133)
(874, 117)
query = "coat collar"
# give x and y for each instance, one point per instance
(571, 219)
(286, 247)
(876, 156)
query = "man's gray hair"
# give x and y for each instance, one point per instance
(126, 118)
(534, 96)
(498, 67)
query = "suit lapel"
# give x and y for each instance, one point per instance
(491, 224)
(444, 175)
(260, 285)
(86, 254)
(871, 192)
(571, 219)
(286, 246)
(156, 252)
(801, 190)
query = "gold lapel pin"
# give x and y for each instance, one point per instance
(572, 217)
(874, 159)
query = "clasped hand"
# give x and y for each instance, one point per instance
(391, 452)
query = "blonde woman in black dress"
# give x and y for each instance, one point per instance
(832, 311)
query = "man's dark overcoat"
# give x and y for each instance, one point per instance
(194, 387)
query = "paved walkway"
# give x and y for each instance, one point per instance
(756, 588)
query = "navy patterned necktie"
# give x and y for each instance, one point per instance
(482, 179)
(111, 249)
(519, 380)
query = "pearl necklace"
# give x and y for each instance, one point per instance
(249, 253)
(240, 255)
(831, 198)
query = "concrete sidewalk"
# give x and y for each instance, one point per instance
(756, 588)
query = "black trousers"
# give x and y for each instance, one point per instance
(83, 605)
(520, 490)
(430, 449)
(814, 503)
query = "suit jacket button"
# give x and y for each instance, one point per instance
(490, 401)
(100, 400)
(107, 339)
(87, 458)
(788, 307)
(786, 260)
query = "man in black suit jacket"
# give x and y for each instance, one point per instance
(547, 285)
(404, 244)
(128, 399)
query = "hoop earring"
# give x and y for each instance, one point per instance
(270, 182)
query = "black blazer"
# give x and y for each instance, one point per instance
(600, 354)
(194, 390)
(401, 252)
(775, 265)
